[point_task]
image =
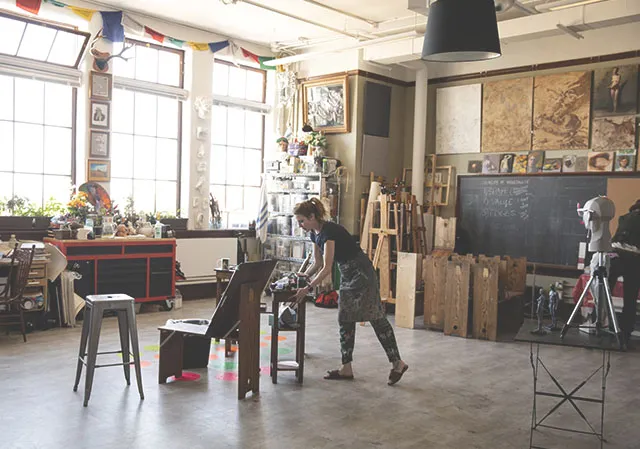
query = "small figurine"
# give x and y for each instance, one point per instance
(540, 313)
(554, 299)
(122, 231)
(283, 143)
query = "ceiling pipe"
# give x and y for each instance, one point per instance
(569, 31)
(372, 23)
(355, 46)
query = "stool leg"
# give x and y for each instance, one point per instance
(123, 326)
(92, 353)
(86, 325)
(133, 328)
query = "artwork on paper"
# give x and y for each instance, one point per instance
(100, 114)
(520, 163)
(506, 163)
(569, 163)
(507, 107)
(326, 104)
(582, 163)
(552, 165)
(535, 160)
(600, 161)
(613, 133)
(458, 119)
(625, 160)
(491, 164)
(615, 91)
(561, 110)
(474, 167)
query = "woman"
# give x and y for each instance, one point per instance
(359, 287)
(614, 87)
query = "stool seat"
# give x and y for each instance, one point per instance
(95, 306)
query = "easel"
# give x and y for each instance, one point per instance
(381, 256)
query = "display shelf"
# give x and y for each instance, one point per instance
(288, 237)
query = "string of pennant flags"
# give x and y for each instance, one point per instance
(114, 24)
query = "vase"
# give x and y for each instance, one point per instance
(108, 227)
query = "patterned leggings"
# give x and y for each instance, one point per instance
(383, 331)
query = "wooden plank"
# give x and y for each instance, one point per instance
(485, 300)
(456, 310)
(445, 235)
(434, 275)
(516, 275)
(384, 264)
(429, 230)
(409, 270)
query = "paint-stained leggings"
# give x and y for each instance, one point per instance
(383, 331)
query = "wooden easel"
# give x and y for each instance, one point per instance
(381, 256)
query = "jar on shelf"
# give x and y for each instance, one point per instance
(108, 226)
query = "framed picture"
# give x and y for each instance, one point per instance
(325, 104)
(99, 144)
(98, 170)
(100, 114)
(100, 85)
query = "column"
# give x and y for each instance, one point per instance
(419, 135)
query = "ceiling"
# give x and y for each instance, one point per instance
(266, 22)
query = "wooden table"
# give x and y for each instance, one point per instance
(296, 365)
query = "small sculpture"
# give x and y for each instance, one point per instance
(540, 313)
(122, 231)
(283, 143)
(554, 299)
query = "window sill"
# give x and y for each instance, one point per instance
(215, 234)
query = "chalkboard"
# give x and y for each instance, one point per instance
(531, 216)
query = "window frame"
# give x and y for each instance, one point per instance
(264, 99)
(53, 25)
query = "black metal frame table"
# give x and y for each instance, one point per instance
(575, 338)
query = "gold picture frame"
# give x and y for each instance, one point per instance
(99, 170)
(325, 104)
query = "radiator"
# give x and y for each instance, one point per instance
(199, 257)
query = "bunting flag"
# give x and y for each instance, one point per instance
(247, 54)
(132, 25)
(32, 6)
(263, 59)
(176, 42)
(112, 28)
(85, 13)
(55, 3)
(198, 46)
(154, 34)
(217, 46)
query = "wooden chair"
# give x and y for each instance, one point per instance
(12, 312)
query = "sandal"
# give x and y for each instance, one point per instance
(335, 375)
(395, 376)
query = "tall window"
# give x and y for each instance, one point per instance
(37, 108)
(237, 138)
(145, 145)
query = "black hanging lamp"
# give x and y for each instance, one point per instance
(460, 31)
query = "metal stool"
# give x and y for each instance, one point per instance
(96, 305)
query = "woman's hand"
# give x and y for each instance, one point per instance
(301, 293)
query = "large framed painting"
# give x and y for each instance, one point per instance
(615, 91)
(561, 111)
(325, 104)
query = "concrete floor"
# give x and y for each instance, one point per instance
(457, 393)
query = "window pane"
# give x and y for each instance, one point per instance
(145, 114)
(10, 35)
(167, 160)
(6, 184)
(122, 115)
(235, 166)
(6, 146)
(169, 68)
(6, 95)
(36, 42)
(58, 188)
(57, 105)
(234, 198)
(237, 82)
(235, 127)
(28, 149)
(251, 202)
(144, 158)
(219, 125)
(167, 117)
(65, 49)
(218, 165)
(144, 195)
(125, 69)
(219, 193)
(120, 190)
(252, 167)
(255, 85)
(220, 79)
(29, 100)
(146, 64)
(253, 130)
(57, 151)
(166, 197)
(121, 155)
(28, 186)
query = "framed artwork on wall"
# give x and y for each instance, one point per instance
(100, 114)
(98, 170)
(99, 144)
(100, 85)
(325, 104)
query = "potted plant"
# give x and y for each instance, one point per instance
(18, 213)
(175, 221)
(317, 142)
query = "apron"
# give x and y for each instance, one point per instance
(359, 291)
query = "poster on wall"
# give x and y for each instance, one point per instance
(561, 111)
(615, 91)
(507, 107)
(614, 133)
(458, 112)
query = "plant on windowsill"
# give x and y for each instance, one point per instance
(18, 213)
(175, 221)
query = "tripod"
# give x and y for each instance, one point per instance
(599, 276)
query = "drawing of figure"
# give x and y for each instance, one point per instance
(614, 87)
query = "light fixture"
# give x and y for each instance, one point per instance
(461, 30)
(564, 4)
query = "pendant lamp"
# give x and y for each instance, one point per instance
(461, 30)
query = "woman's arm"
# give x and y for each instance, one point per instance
(327, 264)
(317, 262)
